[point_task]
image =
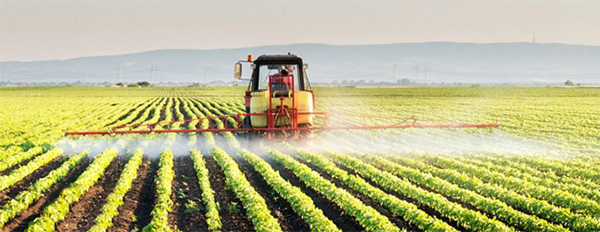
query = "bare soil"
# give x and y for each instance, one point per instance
(188, 209)
(396, 220)
(132, 110)
(135, 202)
(332, 211)
(20, 222)
(279, 207)
(232, 220)
(425, 208)
(89, 206)
(29, 180)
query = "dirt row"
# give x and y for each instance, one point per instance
(22, 220)
(188, 209)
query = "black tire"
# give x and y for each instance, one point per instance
(247, 123)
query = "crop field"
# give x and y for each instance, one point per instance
(539, 171)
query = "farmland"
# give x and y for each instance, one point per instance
(540, 171)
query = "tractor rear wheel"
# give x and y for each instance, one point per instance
(247, 123)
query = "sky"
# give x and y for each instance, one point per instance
(62, 29)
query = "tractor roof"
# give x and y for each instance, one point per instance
(278, 59)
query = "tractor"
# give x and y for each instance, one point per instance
(280, 103)
(278, 95)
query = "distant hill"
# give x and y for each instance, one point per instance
(440, 61)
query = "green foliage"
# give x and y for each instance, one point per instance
(499, 192)
(208, 194)
(469, 219)
(21, 172)
(163, 205)
(115, 199)
(25, 198)
(58, 209)
(300, 202)
(234, 208)
(191, 207)
(255, 205)
(408, 211)
(366, 216)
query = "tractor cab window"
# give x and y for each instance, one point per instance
(280, 81)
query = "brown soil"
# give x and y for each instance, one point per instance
(30, 179)
(134, 214)
(132, 110)
(163, 109)
(231, 221)
(89, 206)
(186, 189)
(173, 111)
(463, 204)
(20, 222)
(332, 211)
(279, 207)
(425, 208)
(396, 220)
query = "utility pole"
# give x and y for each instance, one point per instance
(394, 71)
(120, 76)
(416, 73)
(426, 69)
(153, 71)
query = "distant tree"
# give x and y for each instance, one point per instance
(133, 85)
(143, 83)
(404, 82)
(120, 84)
(569, 83)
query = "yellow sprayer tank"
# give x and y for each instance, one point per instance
(260, 102)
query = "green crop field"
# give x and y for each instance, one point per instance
(539, 171)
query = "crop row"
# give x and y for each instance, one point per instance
(366, 216)
(410, 212)
(164, 204)
(27, 197)
(580, 190)
(115, 199)
(208, 195)
(254, 204)
(21, 172)
(19, 158)
(556, 196)
(490, 206)
(502, 161)
(527, 204)
(300, 202)
(58, 209)
(469, 219)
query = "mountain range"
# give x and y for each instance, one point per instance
(437, 62)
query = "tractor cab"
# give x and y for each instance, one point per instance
(278, 93)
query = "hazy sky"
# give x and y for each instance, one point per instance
(41, 29)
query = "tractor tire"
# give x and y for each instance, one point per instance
(247, 123)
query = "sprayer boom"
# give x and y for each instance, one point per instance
(229, 123)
